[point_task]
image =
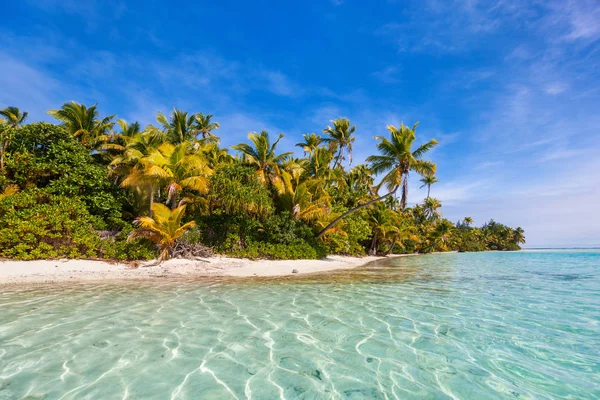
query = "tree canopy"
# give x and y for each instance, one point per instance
(157, 184)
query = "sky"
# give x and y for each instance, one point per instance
(510, 89)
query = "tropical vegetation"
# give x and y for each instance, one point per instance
(93, 186)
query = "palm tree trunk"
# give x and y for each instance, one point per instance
(391, 248)
(404, 198)
(4, 147)
(368, 203)
(428, 191)
(373, 248)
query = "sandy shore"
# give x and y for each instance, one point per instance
(47, 271)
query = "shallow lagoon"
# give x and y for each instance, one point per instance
(468, 326)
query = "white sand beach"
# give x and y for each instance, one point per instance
(48, 271)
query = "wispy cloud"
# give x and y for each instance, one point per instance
(388, 75)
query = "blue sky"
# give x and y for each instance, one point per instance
(511, 90)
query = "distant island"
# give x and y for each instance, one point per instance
(101, 188)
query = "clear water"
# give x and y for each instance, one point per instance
(464, 326)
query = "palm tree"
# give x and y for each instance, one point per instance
(12, 117)
(310, 144)
(263, 155)
(306, 200)
(398, 158)
(205, 127)
(442, 235)
(381, 222)
(171, 167)
(179, 126)
(431, 208)
(216, 155)
(164, 228)
(428, 180)
(518, 235)
(133, 146)
(82, 122)
(319, 163)
(117, 141)
(340, 135)
(468, 221)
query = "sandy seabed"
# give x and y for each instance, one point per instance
(47, 271)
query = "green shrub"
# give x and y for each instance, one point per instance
(35, 224)
(43, 155)
(236, 190)
(121, 250)
(299, 250)
(350, 236)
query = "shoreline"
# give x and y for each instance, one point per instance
(63, 270)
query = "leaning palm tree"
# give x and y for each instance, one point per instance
(164, 228)
(399, 159)
(262, 155)
(83, 123)
(204, 126)
(340, 135)
(428, 180)
(179, 126)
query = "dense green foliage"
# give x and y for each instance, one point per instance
(78, 189)
(37, 224)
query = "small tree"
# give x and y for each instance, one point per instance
(163, 228)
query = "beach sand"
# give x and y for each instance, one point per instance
(48, 271)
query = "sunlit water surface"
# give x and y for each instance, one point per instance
(468, 326)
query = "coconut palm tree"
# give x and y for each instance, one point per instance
(468, 221)
(518, 235)
(204, 126)
(431, 208)
(319, 164)
(306, 200)
(180, 126)
(116, 142)
(442, 235)
(216, 155)
(164, 228)
(340, 136)
(12, 116)
(310, 144)
(170, 166)
(399, 159)
(428, 180)
(381, 220)
(262, 155)
(83, 123)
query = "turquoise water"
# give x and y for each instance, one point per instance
(465, 326)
